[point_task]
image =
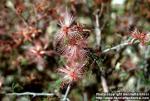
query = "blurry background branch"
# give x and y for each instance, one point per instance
(104, 84)
(98, 30)
(30, 93)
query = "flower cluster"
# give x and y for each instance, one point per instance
(73, 43)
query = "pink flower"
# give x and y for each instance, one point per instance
(36, 50)
(37, 53)
(26, 33)
(74, 51)
(142, 37)
(72, 74)
(65, 24)
(67, 20)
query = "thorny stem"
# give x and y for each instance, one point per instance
(67, 91)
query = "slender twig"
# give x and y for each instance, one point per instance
(116, 47)
(67, 91)
(29, 93)
(35, 94)
(104, 84)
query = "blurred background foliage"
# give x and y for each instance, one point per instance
(124, 70)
